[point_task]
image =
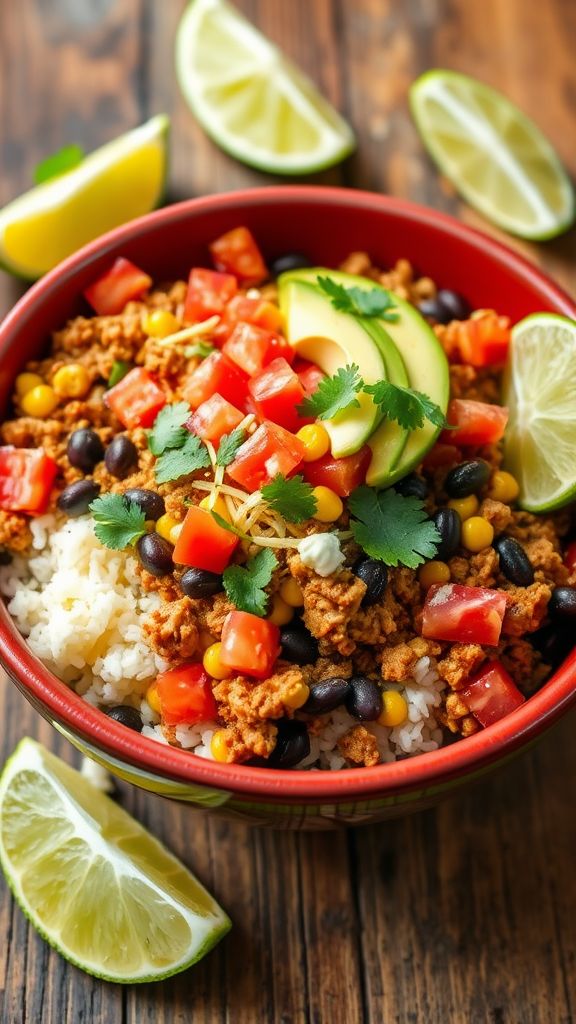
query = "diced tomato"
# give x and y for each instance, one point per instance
(492, 694)
(202, 543)
(252, 348)
(276, 393)
(208, 292)
(216, 373)
(124, 281)
(136, 400)
(26, 478)
(310, 375)
(484, 339)
(474, 422)
(256, 311)
(236, 253)
(185, 695)
(442, 455)
(270, 450)
(341, 475)
(570, 557)
(249, 644)
(468, 615)
(214, 418)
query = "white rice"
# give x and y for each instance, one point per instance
(81, 608)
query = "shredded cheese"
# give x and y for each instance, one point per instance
(195, 331)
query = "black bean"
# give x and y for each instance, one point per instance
(555, 641)
(289, 261)
(454, 303)
(121, 456)
(76, 498)
(514, 561)
(562, 604)
(364, 700)
(375, 575)
(292, 744)
(298, 645)
(200, 583)
(5, 557)
(412, 486)
(326, 695)
(433, 309)
(155, 554)
(151, 503)
(84, 449)
(449, 526)
(467, 478)
(126, 715)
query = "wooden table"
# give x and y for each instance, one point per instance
(461, 915)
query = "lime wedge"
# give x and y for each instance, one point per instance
(494, 155)
(250, 99)
(540, 390)
(116, 183)
(93, 882)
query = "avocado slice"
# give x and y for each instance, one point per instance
(425, 362)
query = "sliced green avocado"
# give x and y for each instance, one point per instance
(423, 357)
(332, 340)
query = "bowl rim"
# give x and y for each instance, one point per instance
(428, 770)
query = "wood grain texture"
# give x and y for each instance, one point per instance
(461, 915)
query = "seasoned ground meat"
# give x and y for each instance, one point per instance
(329, 604)
(243, 700)
(525, 608)
(359, 746)
(245, 740)
(461, 662)
(172, 630)
(398, 661)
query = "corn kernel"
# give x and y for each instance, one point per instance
(212, 663)
(219, 506)
(503, 487)
(282, 613)
(477, 533)
(465, 507)
(153, 698)
(164, 526)
(205, 640)
(26, 381)
(40, 401)
(219, 746)
(297, 697)
(316, 441)
(395, 709)
(160, 323)
(291, 592)
(71, 381)
(434, 572)
(329, 506)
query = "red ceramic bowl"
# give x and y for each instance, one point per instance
(326, 224)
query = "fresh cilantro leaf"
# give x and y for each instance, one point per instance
(58, 163)
(334, 394)
(117, 522)
(229, 445)
(373, 302)
(292, 498)
(410, 408)
(168, 430)
(118, 371)
(244, 584)
(177, 462)
(200, 350)
(229, 526)
(392, 528)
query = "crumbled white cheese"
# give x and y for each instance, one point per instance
(321, 552)
(97, 775)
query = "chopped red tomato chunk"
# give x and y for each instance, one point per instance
(255, 311)
(214, 418)
(237, 253)
(122, 282)
(310, 375)
(341, 475)
(208, 292)
(276, 392)
(249, 644)
(252, 348)
(492, 694)
(216, 373)
(468, 615)
(570, 557)
(484, 339)
(26, 478)
(474, 422)
(442, 455)
(270, 450)
(202, 543)
(136, 400)
(185, 695)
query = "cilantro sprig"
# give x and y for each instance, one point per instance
(244, 584)
(177, 462)
(372, 302)
(229, 445)
(291, 497)
(410, 408)
(168, 430)
(117, 522)
(334, 394)
(391, 527)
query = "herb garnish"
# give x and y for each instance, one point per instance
(244, 584)
(291, 497)
(200, 350)
(117, 522)
(177, 462)
(119, 370)
(392, 528)
(410, 408)
(334, 394)
(229, 445)
(372, 302)
(168, 430)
